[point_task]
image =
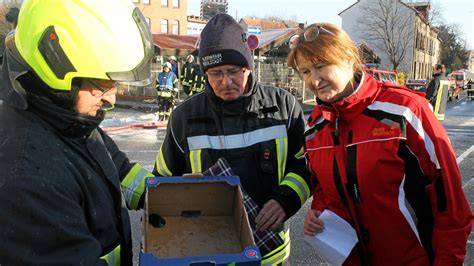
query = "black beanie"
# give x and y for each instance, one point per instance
(224, 42)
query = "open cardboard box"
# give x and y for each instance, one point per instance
(205, 222)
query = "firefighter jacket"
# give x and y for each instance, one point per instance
(437, 94)
(61, 184)
(259, 134)
(384, 163)
(432, 89)
(187, 72)
(199, 80)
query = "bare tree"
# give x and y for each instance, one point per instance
(388, 26)
(435, 16)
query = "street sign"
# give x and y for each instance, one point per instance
(252, 41)
(254, 30)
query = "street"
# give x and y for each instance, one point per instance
(141, 146)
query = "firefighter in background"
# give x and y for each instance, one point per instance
(174, 65)
(198, 80)
(470, 89)
(166, 87)
(187, 74)
(437, 91)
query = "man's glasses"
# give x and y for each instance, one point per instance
(100, 90)
(218, 75)
(310, 34)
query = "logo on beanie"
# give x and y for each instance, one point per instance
(211, 59)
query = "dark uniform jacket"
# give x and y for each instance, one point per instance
(432, 89)
(259, 134)
(60, 186)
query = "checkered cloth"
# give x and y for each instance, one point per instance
(267, 240)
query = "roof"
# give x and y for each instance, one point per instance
(264, 24)
(170, 44)
(270, 39)
(408, 5)
(348, 8)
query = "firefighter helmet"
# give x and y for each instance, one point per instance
(62, 40)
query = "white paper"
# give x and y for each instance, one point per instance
(336, 241)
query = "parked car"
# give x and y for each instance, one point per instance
(383, 75)
(416, 84)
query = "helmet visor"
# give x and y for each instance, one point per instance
(141, 74)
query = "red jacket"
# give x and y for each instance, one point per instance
(384, 163)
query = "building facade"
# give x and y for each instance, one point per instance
(10, 2)
(211, 7)
(165, 16)
(422, 48)
(195, 25)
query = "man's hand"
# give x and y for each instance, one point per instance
(312, 224)
(271, 216)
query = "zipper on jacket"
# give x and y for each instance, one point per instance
(352, 180)
(335, 134)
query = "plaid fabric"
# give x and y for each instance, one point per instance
(267, 240)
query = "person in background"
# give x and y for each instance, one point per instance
(65, 187)
(433, 86)
(257, 128)
(437, 91)
(187, 74)
(199, 80)
(174, 67)
(406, 203)
(166, 88)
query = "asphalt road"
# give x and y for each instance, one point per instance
(142, 144)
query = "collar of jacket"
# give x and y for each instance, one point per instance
(11, 91)
(231, 107)
(67, 122)
(348, 108)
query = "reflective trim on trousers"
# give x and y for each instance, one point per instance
(281, 253)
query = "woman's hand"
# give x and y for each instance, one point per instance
(312, 224)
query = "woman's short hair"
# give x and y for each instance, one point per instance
(332, 46)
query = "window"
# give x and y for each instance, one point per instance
(164, 26)
(176, 3)
(164, 2)
(146, 2)
(175, 27)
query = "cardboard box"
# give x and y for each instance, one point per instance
(205, 223)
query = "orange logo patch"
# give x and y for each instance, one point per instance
(386, 131)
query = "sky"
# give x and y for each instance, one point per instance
(460, 12)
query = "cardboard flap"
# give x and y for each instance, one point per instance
(155, 181)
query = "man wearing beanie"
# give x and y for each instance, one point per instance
(257, 128)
